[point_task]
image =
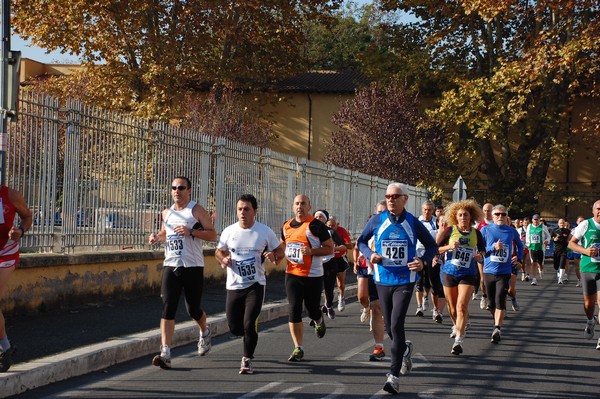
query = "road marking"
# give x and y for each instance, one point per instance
(339, 389)
(260, 390)
(354, 351)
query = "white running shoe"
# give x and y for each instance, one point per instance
(392, 385)
(483, 304)
(474, 297)
(419, 312)
(496, 336)
(578, 283)
(425, 304)
(406, 359)
(204, 344)
(515, 304)
(246, 366)
(534, 281)
(364, 315)
(523, 277)
(341, 303)
(163, 359)
(453, 332)
(598, 345)
(588, 332)
(457, 348)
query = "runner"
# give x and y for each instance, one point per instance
(487, 219)
(536, 240)
(464, 247)
(242, 250)
(526, 259)
(341, 260)
(367, 296)
(560, 236)
(395, 233)
(306, 241)
(576, 256)
(430, 280)
(498, 264)
(330, 264)
(512, 289)
(12, 204)
(588, 234)
(185, 226)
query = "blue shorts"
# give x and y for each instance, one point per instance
(573, 255)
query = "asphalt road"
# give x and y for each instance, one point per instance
(542, 355)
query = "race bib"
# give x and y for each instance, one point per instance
(394, 252)
(246, 268)
(535, 239)
(174, 245)
(462, 257)
(293, 252)
(596, 259)
(500, 256)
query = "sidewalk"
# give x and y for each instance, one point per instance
(59, 345)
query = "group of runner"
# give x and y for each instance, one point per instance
(452, 252)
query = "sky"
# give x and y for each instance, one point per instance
(55, 57)
(39, 54)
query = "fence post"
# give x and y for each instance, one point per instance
(71, 175)
(219, 182)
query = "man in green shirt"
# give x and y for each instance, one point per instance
(536, 239)
(586, 240)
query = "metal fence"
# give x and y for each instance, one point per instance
(98, 179)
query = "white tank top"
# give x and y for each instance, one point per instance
(183, 251)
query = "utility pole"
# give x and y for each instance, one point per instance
(10, 61)
(4, 87)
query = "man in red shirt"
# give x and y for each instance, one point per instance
(12, 203)
(342, 260)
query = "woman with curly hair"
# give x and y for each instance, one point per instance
(464, 247)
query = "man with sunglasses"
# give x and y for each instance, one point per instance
(536, 239)
(500, 239)
(186, 225)
(396, 270)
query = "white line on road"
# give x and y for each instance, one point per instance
(260, 390)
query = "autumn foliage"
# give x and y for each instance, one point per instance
(382, 133)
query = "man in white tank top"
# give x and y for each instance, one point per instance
(185, 226)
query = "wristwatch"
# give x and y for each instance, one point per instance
(192, 232)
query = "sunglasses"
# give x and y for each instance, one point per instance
(393, 196)
(500, 214)
(180, 188)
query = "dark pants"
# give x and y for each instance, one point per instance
(395, 301)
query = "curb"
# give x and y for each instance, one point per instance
(87, 359)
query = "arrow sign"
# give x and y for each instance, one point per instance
(460, 190)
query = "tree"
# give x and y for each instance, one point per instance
(233, 116)
(381, 132)
(155, 50)
(518, 67)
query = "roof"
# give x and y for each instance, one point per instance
(323, 82)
